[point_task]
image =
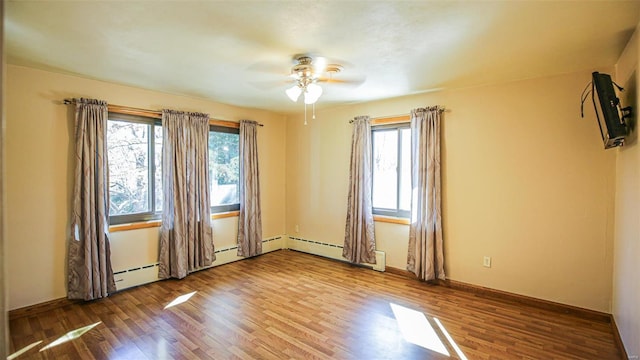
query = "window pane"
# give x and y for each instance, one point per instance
(405, 170)
(128, 152)
(158, 165)
(385, 162)
(224, 167)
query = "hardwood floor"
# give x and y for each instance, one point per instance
(290, 305)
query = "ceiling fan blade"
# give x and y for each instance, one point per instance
(330, 70)
(342, 80)
(271, 84)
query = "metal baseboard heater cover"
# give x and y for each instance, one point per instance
(144, 274)
(147, 273)
(332, 251)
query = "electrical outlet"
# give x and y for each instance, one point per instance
(486, 262)
(297, 228)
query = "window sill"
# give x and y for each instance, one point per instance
(158, 223)
(390, 219)
(226, 214)
(134, 226)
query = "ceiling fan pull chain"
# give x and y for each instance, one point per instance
(314, 111)
(305, 113)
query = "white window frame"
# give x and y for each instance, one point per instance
(228, 207)
(384, 211)
(153, 214)
(157, 214)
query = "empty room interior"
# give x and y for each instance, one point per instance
(320, 179)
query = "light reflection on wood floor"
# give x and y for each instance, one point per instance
(292, 305)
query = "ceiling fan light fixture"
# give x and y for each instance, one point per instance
(312, 93)
(306, 73)
(294, 93)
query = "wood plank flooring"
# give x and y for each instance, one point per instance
(290, 305)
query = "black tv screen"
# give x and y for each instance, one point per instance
(608, 112)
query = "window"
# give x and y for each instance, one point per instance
(224, 168)
(392, 170)
(134, 150)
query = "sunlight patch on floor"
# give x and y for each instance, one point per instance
(71, 335)
(23, 350)
(415, 328)
(161, 348)
(180, 299)
(450, 339)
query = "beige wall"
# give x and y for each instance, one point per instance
(4, 332)
(526, 181)
(134, 248)
(626, 278)
(39, 174)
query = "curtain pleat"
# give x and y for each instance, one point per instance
(250, 218)
(359, 237)
(90, 275)
(186, 235)
(425, 256)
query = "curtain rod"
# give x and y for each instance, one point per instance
(395, 118)
(149, 113)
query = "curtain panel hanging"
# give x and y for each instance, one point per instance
(425, 256)
(359, 237)
(89, 274)
(186, 235)
(250, 218)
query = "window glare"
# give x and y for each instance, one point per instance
(385, 162)
(158, 166)
(405, 174)
(224, 168)
(128, 155)
(134, 151)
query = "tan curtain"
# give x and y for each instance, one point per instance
(426, 257)
(186, 236)
(250, 219)
(90, 275)
(359, 238)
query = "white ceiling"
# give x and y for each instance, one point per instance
(239, 52)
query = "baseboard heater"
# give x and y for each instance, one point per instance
(332, 251)
(144, 274)
(136, 276)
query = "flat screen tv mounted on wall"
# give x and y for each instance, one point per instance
(610, 115)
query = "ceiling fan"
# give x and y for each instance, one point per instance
(318, 68)
(306, 73)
